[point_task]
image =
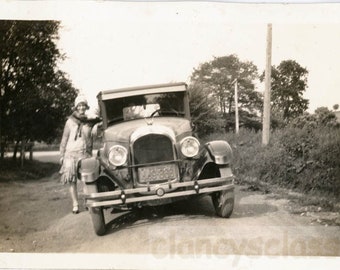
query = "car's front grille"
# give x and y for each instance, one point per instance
(149, 153)
(152, 148)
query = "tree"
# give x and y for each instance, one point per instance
(217, 77)
(289, 82)
(325, 117)
(35, 96)
(204, 110)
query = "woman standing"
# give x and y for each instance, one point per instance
(76, 144)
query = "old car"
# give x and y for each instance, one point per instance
(150, 155)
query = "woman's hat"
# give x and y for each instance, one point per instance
(81, 99)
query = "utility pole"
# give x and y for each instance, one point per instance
(266, 100)
(236, 107)
(2, 144)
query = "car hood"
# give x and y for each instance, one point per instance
(121, 132)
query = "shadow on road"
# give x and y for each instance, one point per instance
(193, 209)
(200, 208)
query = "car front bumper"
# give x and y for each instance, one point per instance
(159, 192)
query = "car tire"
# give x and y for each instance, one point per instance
(223, 202)
(98, 221)
(96, 213)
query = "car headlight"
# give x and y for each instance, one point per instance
(190, 146)
(117, 155)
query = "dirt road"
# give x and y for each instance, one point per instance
(36, 217)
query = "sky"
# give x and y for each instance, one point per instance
(120, 44)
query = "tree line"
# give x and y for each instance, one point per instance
(212, 85)
(36, 96)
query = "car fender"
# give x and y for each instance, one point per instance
(220, 152)
(89, 169)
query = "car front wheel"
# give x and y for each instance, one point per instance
(96, 213)
(224, 203)
(97, 217)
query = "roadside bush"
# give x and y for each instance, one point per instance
(323, 172)
(304, 158)
(248, 154)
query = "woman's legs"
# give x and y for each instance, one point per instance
(74, 197)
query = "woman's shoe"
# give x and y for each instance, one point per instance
(75, 210)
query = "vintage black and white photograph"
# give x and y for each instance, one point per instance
(147, 135)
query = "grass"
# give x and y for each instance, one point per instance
(10, 170)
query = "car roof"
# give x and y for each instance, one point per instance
(142, 90)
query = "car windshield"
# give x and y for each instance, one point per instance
(143, 106)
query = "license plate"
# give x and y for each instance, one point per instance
(157, 173)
